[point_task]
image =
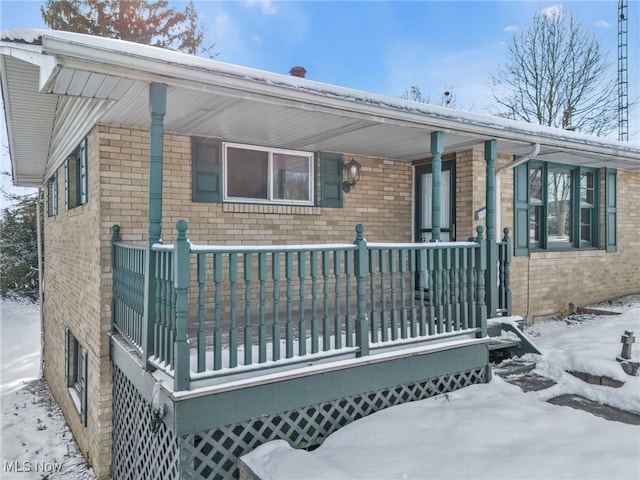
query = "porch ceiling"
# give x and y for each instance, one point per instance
(57, 85)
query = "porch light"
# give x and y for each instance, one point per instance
(353, 175)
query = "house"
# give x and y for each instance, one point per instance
(233, 256)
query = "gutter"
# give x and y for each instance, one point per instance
(534, 151)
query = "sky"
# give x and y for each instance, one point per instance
(498, 430)
(385, 47)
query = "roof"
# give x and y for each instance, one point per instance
(57, 85)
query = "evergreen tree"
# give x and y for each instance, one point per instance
(19, 248)
(147, 22)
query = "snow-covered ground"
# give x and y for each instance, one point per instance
(35, 440)
(495, 430)
(484, 431)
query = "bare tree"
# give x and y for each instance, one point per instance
(447, 99)
(558, 76)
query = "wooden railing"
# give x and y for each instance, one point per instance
(226, 310)
(504, 265)
(127, 309)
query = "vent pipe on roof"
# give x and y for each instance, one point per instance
(298, 72)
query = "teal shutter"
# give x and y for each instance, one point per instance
(521, 210)
(331, 167)
(611, 210)
(83, 183)
(82, 382)
(66, 184)
(206, 181)
(55, 193)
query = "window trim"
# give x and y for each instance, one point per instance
(270, 200)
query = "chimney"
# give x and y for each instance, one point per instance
(298, 72)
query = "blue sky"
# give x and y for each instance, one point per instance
(385, 47)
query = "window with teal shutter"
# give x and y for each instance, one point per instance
(206, 176)
(611, 210)
(76, 367)
(76, 180)
(331, 168)
(556, 207)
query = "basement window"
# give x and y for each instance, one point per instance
(76, 366)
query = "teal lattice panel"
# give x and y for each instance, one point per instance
(213, 454)
(141, 450)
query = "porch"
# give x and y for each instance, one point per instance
(245, 344)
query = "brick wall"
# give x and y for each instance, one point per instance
(73, 298)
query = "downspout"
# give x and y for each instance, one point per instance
(534, 151)
(40, 277)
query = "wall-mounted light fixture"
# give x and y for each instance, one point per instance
(353, 175)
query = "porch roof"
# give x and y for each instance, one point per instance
(57, 85)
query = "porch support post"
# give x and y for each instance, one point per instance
(361, 264)
(157, 109)
(436, 170)
(491, 274)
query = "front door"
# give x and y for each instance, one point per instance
(423, 190)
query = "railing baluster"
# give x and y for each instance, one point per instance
(302, 324)
(447, 293)
(289, 325)
(326, 322)
(275, 275)
(248, 327)
(433, 294)
(402, 258)
(412, 279)
(337, 319)
(384, 322)
(233, 328)
(394, 307)
(348, 272)
(423, 281)
(262, 327)
(201, 340)
(373, 315)
(313, 264)
(217, 317)
(471, 287)
(439, 291)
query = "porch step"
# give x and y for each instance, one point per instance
(598, 409)
(500, 343)
(513, 367)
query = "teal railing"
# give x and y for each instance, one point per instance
(504, 265)
(127, 309)
(222, 310)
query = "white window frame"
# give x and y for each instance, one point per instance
(270, 198)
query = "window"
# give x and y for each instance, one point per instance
(264, 175)
(75, 177)
(52, 195)
(76, 373)
(557, 207)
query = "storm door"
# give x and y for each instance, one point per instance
(423, 199)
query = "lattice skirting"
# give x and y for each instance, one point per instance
(139, 451)
(143, 450)
(214, 453)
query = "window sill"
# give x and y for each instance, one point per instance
(75, 397)
(270, 209)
